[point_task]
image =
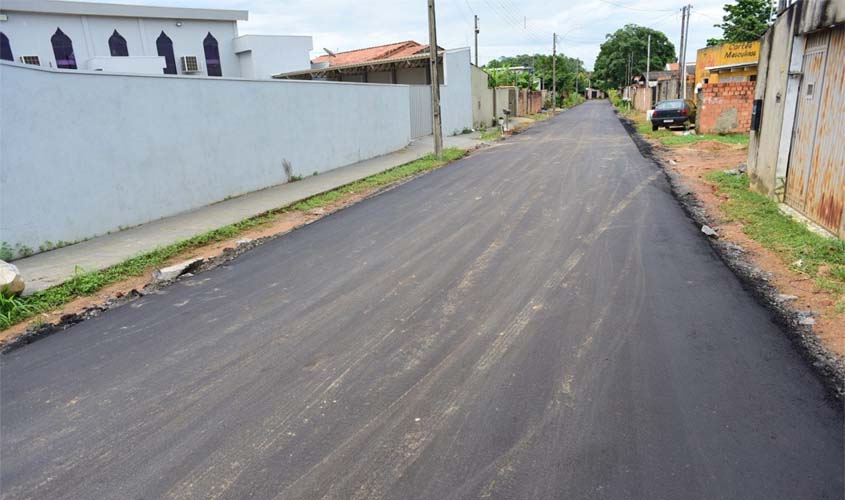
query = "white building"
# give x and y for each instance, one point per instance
(143, 39)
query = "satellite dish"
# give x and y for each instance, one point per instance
(329, 52)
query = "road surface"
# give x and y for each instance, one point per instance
(539, 320)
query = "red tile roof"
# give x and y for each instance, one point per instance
(389, 51)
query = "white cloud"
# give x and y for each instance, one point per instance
(508, 27)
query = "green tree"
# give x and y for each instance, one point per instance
(565, 73)
(612, 62)
(744, 21)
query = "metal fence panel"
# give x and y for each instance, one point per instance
(420, 111)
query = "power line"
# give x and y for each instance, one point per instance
(623, 6)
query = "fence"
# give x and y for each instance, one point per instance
(86, 153)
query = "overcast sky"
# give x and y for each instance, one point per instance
(508, 27)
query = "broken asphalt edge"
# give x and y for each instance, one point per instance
(829, 367)
(156, 287)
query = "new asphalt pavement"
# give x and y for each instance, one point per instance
(539, 320)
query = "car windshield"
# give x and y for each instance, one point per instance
(670, 105)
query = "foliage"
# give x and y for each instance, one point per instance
(612, 61)
(567, 70)
(572, 100)
(615, 98)
(822, 259)
(15, 310)
(744, 21)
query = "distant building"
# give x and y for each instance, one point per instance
(143, 39)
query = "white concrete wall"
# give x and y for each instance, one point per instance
(482, 99)
(263, 56)
(30, 33)
(456, 93)
(84, 153)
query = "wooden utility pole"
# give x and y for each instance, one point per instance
(435, 82)
(554, 71)
(476, 40)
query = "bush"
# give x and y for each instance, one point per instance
(615, 98)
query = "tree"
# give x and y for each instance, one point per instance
(542, 69)
(612, 62)
(744, 21)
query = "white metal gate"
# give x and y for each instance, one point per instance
(420, 110)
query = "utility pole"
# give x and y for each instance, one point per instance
(554, 71)
(648, 61)
(476, 40)
(435, 82)
(686, 42)
(648, 70)
(577, 71)
(681, 45)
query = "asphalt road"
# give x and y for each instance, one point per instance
(539, 320)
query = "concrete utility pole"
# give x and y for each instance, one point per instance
(686, 42)
(435, 82)
(554, 71)
(681, 45)
(648, 62)
(577, 72)
(476, 40)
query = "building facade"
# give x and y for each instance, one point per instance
(143, 39)
(797, 153)
(727, 63)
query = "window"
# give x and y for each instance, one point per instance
(63, 50)
(165, 49)
(117, 45)
(5, 48)
(212, 56)
(752, 78)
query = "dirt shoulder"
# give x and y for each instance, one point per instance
(811, 314)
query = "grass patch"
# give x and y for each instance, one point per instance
(669, 138)
(491, 134)
(540, 116)
(820, 258)
(13, 310)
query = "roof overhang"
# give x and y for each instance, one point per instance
(120, 10)
(415, 61)
(731, 67)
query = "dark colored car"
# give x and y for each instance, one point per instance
(673, 113)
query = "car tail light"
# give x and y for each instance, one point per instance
(656, 113)
(683, 111)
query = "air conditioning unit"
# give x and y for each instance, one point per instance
(30, 60)
(190, 64)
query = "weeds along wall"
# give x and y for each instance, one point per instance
(85, 153)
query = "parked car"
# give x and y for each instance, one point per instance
(673, 112)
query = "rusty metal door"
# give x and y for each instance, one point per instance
(815, 181)
(806, 119)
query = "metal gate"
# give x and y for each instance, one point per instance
(815, 179)
(420, 110)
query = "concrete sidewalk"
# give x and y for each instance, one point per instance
(51, 268)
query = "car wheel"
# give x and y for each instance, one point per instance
(654, 127)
